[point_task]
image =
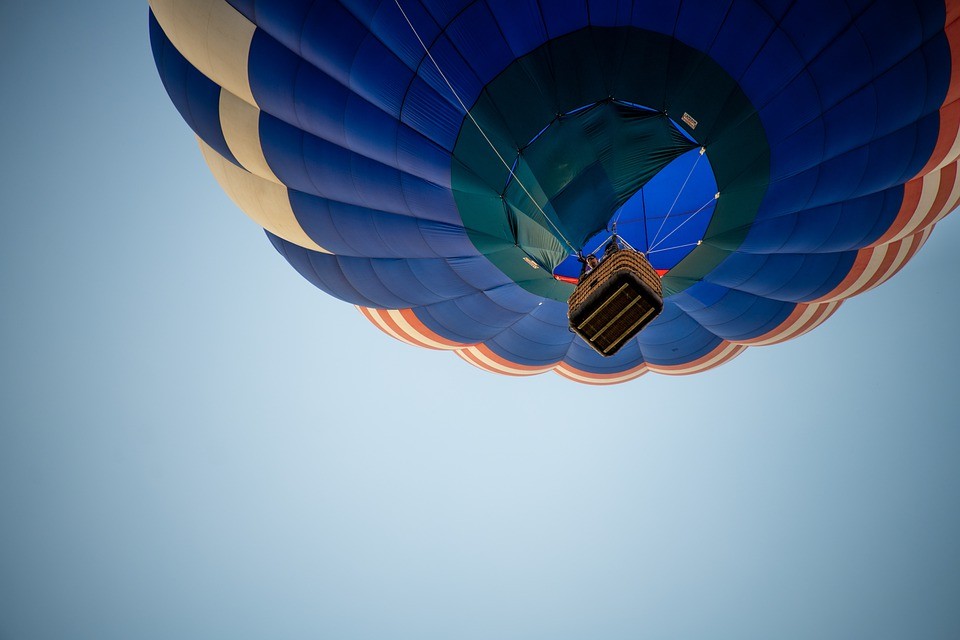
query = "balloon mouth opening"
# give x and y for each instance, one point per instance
(666, 218)
(610, 165)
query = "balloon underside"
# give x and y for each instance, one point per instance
(829, 132)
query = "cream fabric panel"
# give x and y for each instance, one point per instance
(266, 202)
(213, 36)
(240, 122)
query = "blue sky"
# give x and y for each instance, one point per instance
(196, 443)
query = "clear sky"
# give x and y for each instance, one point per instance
(195, 443)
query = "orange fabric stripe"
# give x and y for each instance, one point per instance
(415, 322)
(949, 128)
(788, 322)
(684, 369)
(948, 181)
(390, 322)
(950, 109)
(912, 191)
(486, 351)
(892, 249)
(470, 357)
(599, 379)
(859, 266)
(819, 317)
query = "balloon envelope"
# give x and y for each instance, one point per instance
(438, 163)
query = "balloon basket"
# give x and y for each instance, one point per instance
(615, 301)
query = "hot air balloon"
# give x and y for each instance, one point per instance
(445, 165)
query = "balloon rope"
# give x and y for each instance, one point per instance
(480, 129)
(679, 226)
(682, 187)
(679, 246)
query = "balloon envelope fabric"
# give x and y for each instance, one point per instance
(438, 163)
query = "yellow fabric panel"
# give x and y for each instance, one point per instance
(213, 36)
(266, 202)
(240, 123)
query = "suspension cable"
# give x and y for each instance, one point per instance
(480, 129)
(679, 226)
(682, 187)
(678, 246)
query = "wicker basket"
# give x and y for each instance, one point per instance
(615, 301)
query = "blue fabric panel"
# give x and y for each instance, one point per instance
(297, 92)
(657, 16)
(675, 338)
(744, 30)
(928, 79)
(517, 346)
(521, 24)
(584, 358)
(477, 36)
(791, 110)
(700, 21)
(786, 277)
(468, 320)
(889, 31)
(312, 165)
(308, 99)
(888, 160)
(283, 20)
(485, 277)
(813, 24)
(431, 201)
(776, 9)
(732, 314)
(841, 67)
(776, 66)
(195, 96)
(445, 11)
(387, 23)
(419, 156)
(272, 70)
(435, 275)
(378, 75)
(609, 13)
(564, 16)
(387, 283)
(932, 16)
(841, 267)
(432, 114)
(357, 231)
(331, 38)
(321, 270)
(394, 283)
(849, 225)
(246, 7)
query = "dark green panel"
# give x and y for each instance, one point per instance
(581, 166)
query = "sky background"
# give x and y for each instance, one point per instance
(196, 443)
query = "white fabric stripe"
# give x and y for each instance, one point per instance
(951, 156)
(374, 318)
(952, 201)
(784, 334)
(928, 193)
(240, 122)
(267, 203)
(407, 328)
(213, 36)
(831, 308)
(496, 366)
(578, 376)
(876, 258)
(903, 252)
(717, 359)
